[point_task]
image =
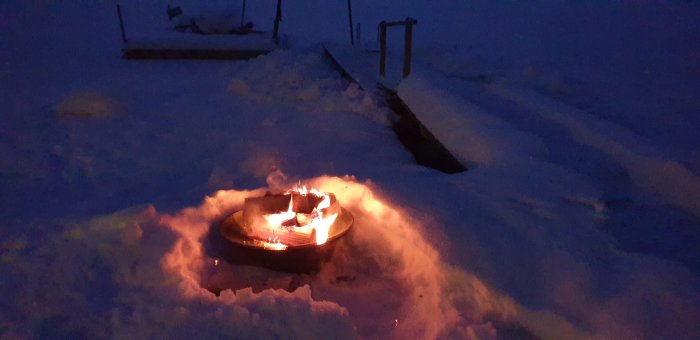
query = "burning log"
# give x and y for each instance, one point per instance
(293, 218)
(297, 223)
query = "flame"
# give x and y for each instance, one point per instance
(323, 224)
(319, 223)
(433, 297)
(276, 220)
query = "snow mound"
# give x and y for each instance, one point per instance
(389, 278)
(139, 273)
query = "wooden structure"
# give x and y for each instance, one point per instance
(408, 41)
(354, 65)
(243, 45)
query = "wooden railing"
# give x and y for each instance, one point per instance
(408, 41)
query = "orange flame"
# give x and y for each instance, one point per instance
(323, 224)
(319, 223)
(276, 220)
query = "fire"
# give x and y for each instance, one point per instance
(289, 220)
(323, 224)
(274, 246)
(276, 220)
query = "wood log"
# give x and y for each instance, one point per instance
(293, 231)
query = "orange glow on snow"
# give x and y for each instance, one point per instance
(433, 294)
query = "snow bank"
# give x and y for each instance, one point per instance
(471, 134)
(388, 277)
(116, 275)
(480, 137)
(537, 231)
(524, 213)
(649, 168)
(141, 273)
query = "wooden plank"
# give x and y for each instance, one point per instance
(353, 64)
(416, 138)
(411, 132)
(135, 53)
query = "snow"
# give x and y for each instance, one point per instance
(474, 136)
(178, 40)
(356, 62)
(647, 166)
(86, 104)
(578, 217)
(155, 31)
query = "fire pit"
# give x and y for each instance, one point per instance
(291, 231)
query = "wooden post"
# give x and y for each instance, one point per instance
(407, 47)
(382, 48)
(352, 34)
(278, 18)
(121, 22)
(243, 15)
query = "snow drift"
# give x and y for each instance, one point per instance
(385, 281)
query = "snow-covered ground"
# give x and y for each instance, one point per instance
(578, 217)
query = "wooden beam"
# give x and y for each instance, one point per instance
(121, 22)
(382, 48)
(352, 34)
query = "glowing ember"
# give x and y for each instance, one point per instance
(274, 246)
(308, 217)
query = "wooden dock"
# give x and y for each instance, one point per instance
(355, 65)
(176, 45)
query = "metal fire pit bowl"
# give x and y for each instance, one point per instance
(239, 248)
